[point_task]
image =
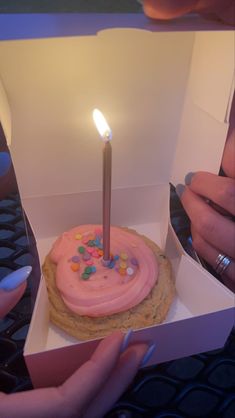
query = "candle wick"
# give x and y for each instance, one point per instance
(107, 136)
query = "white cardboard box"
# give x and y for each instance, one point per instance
(167, 99)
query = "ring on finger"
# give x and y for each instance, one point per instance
(222, 262)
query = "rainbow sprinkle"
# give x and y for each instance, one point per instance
(92, 248)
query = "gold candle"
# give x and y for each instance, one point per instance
(106, 134)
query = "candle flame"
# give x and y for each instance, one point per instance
(101, 125)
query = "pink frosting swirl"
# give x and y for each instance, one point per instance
(106, 291)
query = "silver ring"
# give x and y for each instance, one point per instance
(222, 262)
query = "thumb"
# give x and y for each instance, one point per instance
(83, 386)
(118, 381)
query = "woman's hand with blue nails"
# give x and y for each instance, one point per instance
(209, 201)
(91, 391)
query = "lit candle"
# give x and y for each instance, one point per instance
(106, 134)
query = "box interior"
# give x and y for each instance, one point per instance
(190, 301)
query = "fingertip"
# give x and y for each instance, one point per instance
(141, 354)
(167, 10)
(9, 299)
(109, 345)
(115, 335)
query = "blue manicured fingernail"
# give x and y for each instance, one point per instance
(148, 355)
(190, 241)
(5, 163)
(126, 340)
(180, 188)
(14, 279)
(188, 178)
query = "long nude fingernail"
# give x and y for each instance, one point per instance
(126, 340)
(14, 279)
(188, 178)
(148, 355)
(180, 188)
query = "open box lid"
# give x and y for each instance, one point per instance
(153, 82)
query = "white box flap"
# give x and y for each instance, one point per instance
(212, 72)
(137, 78)
(200, 143)
(5, 114)
(204, 124)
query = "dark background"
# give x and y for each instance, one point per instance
(60, 6)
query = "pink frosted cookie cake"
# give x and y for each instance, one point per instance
(89, 299)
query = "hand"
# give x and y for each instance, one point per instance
(209, 201)
(212, 227)
(89, 392)
(169, 9)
